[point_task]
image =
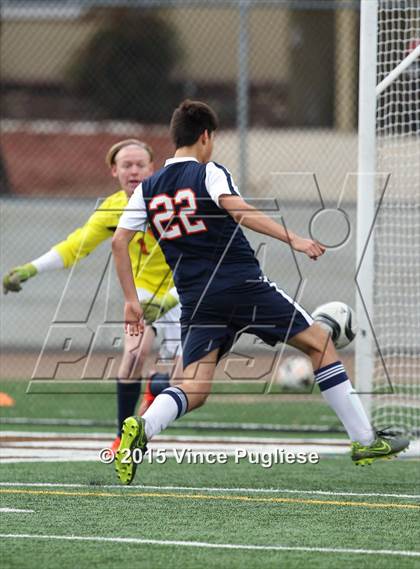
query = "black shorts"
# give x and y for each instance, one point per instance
(258, 308)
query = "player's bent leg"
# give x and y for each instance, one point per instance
(316, 343)
(334, 383)
(170, 405)
(198, 378)
(175, 401)
(338, 391)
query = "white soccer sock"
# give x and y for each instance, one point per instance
(171, 404)
(338, 391)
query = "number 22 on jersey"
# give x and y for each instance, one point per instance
(165, 209)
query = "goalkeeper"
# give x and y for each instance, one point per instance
(130, 162)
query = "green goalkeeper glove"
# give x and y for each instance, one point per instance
(12, 281)
(155, 308)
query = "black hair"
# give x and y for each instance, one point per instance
(190, 120)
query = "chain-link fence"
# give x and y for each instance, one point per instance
(79, 76)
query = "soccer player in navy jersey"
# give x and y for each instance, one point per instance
(196, 212)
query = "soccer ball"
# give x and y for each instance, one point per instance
(338, 319)
(295, 372)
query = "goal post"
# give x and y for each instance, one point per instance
(366, 197)
(388, 279)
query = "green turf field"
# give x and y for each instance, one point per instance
(326, 515)
(360, 510)
(44, 401)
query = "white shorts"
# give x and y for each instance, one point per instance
(168, 328)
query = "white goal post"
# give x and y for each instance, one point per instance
(388, 220)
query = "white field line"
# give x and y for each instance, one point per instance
(15, 511)
(10, 455)
(106, 437)
(14, 447)
(207, 545)
(51, 435)
(154, 445)
(62, 445)
(50, 459)
(209, 489)
(72, 452)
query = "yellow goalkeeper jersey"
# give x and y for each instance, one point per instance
(150, 269)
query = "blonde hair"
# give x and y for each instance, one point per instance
(111, 155)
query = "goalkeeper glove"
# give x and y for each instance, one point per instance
(12, 281)
(155, 308)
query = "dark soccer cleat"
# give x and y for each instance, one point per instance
(132, 448)
(386, 445)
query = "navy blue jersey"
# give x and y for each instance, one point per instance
(222, 289)
(205, 248)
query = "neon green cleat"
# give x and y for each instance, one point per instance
(386, 445)
(132, 448)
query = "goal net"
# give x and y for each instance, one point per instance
(396, 257)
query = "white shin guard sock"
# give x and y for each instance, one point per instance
(338, 391)
(349, 409)
(168, 406)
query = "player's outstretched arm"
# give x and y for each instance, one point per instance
(75, 247)
(12, 281)
(133, 314)
(252, 218)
